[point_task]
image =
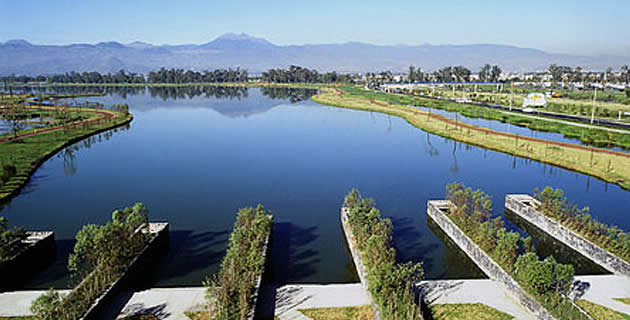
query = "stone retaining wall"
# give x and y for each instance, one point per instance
(521, 205)
(435, 210)
(39, 252)
(358, 261)
(257, 291)
(158, 244)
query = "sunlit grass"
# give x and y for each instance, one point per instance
(342, 313)
(599, 312)
(465, 311)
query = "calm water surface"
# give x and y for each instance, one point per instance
(194, 159)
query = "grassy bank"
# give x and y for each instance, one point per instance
(26, 155)
(594, 137)
(608, 166)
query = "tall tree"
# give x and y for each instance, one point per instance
(495, 73)
(484, 73)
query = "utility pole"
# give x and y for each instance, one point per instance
(593, 108)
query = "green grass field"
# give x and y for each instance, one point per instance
(344, 313)
(28, 154)
(473, 311)
(599, 312)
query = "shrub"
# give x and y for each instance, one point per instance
(101, 254)
(11, 240)
(547, 280)
(390, 284)
(554, 205)
(231, 292)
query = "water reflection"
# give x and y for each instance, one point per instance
(548, 246)
(292, 95)
(457, 265)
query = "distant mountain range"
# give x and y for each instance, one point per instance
(257, 55)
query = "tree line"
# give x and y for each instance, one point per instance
(297, 74)
(293, 74)
(454, 74)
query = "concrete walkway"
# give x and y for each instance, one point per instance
(291, 298)
(165, 303)
(602, 289)
(485, 291)
(18, 303)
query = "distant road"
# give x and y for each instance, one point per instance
(575, 120)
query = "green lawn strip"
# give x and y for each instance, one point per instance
(141, 317)
(595, 137)
(340, 313)
(623, 300)
(32, 151)
(465, 311)
(599, 312)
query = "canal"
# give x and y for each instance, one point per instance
(196, 155)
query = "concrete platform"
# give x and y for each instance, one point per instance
(291, 298)
(165, 303)
(18, 303)
(602, 289)
(485, 291)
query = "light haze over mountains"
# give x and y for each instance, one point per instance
(257, 55)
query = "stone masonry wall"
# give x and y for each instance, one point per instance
(358, 261)
(481, 259)
(520, 205)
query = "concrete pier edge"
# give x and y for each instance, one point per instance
(358, 260)
(482, 260)
(40, 250)
(520, 204)
(151, 251)
(252, 312)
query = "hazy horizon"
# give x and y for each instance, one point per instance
(567, 27)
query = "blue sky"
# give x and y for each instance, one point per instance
(577, 27)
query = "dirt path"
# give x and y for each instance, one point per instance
(105, 114)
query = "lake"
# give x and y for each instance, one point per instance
(195, 156)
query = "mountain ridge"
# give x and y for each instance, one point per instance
(231, 50)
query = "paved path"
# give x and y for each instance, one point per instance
(577, 124)
(165, 303)
(18, 303)
(291, 298)
(602, 289)
(486, 291)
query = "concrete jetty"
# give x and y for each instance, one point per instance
(436, 211)
(524, 206)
